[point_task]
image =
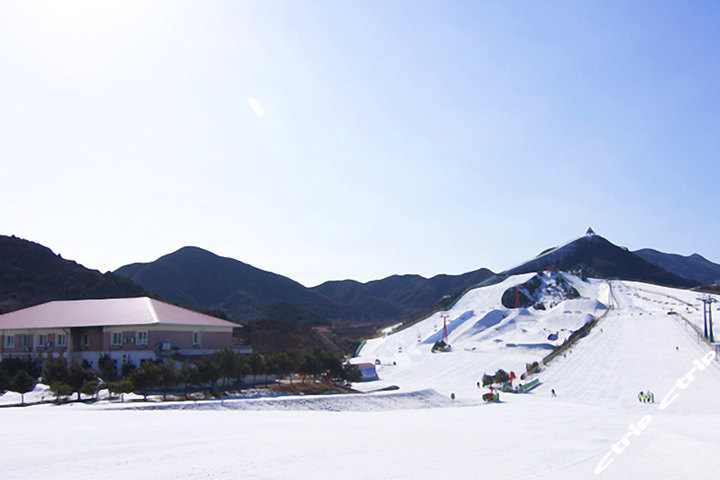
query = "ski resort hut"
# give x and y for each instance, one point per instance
(367, 372)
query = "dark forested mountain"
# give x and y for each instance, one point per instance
(695, 267)
(399, 295)
(31, 274)
(598, 258)
(197, 277)
(200, 278)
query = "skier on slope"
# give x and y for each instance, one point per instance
(641, 396)
(552, 392)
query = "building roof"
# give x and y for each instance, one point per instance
(108, 312)
(363, 366)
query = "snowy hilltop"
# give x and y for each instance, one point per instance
(487, 331)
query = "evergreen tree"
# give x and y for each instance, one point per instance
(275, 364)
(122, 387)
(60, 389)
(90, 387)
(328, 363)
(309, 365)
(166, 376)
(293, 364)
(241, 369)
(126, 369)
(55, 370)
(78, 375)
(257, 365)
(142, 379)
(23, 383)
(226, 361)
(209, 370)
(188, 375)
(107, 368)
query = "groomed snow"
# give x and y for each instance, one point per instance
(485, 336)
(417, 431)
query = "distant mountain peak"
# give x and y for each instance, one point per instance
(597, 257)
(695, 266)
(192, 250)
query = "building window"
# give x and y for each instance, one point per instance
(42, 340)
(61, 339)
(9, 341)
(84, 340)
(116, 339)
(24, 340)
(196, 338)
(142, 339)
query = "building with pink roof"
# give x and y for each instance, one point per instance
(128, 330)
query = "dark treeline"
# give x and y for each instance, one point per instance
(223, 369)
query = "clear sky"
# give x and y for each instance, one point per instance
(342, 139)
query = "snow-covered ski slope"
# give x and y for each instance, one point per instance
(636, 345)
(484, 335)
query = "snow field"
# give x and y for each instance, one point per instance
(540, 439)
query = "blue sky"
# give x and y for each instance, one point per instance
(332, 140)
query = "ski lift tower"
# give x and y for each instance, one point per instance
(708, 300)
(445, 316)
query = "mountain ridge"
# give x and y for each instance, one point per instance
(403, 294)
(31, 274)
(694, 266)
(597, 257)
(199, 277)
